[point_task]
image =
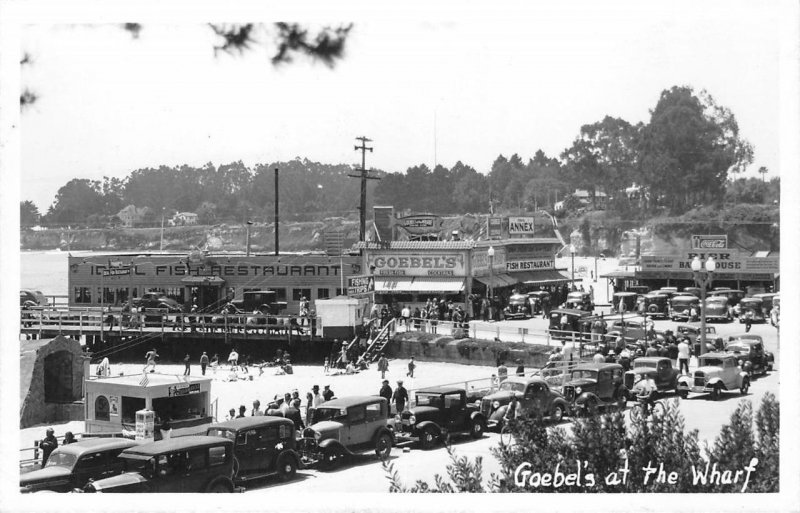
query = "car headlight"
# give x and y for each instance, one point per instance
(397, 418)
(413, 419)
(317, 435)
(496, 404)
(578, 390)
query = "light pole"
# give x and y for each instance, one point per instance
(249, 224)
(490, 254)
(703, 279)
(161, 245)
(572, 254)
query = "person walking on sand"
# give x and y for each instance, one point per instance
(150, 358)
(400, 396)
(233, 359)
(203, 363)
(188, 366)
(411, 366)
(383, 366)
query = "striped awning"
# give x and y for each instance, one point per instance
(418, 284)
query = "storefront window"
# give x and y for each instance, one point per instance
(280, 293)
(83, 295)
(130, 405)
(323, 293)
(300, 293)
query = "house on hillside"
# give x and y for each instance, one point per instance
(131, 216)
(183, 218)
(585, 197)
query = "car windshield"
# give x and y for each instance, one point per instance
(224, 433)
(711, 362)
(583, 374)
(322, 414)
(511, 386)
(644, 365)
(137, 464)
(61, 459)
(738, 348)
(434, 400)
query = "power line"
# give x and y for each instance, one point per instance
(364, 177)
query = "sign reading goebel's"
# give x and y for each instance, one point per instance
(433, 264)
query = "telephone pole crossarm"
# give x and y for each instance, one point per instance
(363, 177)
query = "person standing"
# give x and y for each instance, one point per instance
(242, 412)
(520, 368)
(502, 372)
(233, 359)
(405, 316)
(400, 396)
(316, 397)
(48, 445)
(748, 321)
(383, 366)
(256, 411)
(293, 413)
(188, 366)
(231, 414)
(69, 438)
(386, 391)
(203, 363)
(150, 359)
(327, 394)
(683, 356)
(411, 366)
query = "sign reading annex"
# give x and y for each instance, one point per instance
(433, 264)
(520, 226)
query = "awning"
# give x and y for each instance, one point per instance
(543, 277)
(498, 280)
(418, 284)
(203, 280)
(618, 273)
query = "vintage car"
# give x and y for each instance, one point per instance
(575, 321)
(682, 307)
(692, 331)
(658, 368)
(639, 289)
(631, 327)
(186, 464)
(752, 357)
(656, 305)
(536, 299)
(768, 300)
(157, 301)
(518, 307)
(754, 306)
(535, 398)
(263, 446)
(622, 302)
(716, 372)
(438, 413)
(72, 466)
(344, 427)
(695, 291)
(578, 300)
(592, 385)
(718, 309)
(733, 295)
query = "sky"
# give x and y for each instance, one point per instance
(426, 91)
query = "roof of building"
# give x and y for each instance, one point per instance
(154, 379)
(415, 244)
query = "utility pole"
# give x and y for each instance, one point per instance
(364, 177)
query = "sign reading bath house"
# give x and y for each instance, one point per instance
(403, 264)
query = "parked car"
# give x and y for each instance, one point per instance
(578, 300)
(593, 385)
(518, 307)
(718, 309)
(768, 301)
(695, 291)
(660, 369)
(752, 357)
(639, 289)
(159, 301)
(73, 465)
(717, 372)
(438, 413)
(622, 302)
(535, 398)
(692, 331)
(575, 320)
(536, 298)
(30, 298)
(263, 446)
(682, 307)
(755, 306)
(344, 427)
(733, 295)
(631, 327)
(656, 305)
(186, 464)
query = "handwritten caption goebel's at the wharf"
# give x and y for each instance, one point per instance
(576, 475)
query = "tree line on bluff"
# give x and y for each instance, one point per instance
(686, 156)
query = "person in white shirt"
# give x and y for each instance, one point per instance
(405, 314)
(233, 359)
(256, 412)
(683, 355)
(316, 397)
(598, 357)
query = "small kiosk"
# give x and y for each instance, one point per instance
(112, 403)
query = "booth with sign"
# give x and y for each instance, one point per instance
(115, 404)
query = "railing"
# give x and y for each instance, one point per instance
(382, 335)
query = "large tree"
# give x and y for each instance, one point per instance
(75, 201)
(688, 149)
(28, 213)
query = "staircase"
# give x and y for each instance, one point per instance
(379, 343)
(348, 346)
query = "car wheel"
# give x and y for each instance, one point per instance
(716, 392)
(331, 458)
(428, 438)
(476, 429)
(287, 467)
(558, 414)
(383, 447)
(745, 386)
(220, 486)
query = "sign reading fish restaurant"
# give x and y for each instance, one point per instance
(520, 226)
(530, 265)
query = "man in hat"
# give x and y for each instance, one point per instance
(48, 445)
(684, 352)
(411, 366)
(400, 396)
(327, 394)
(316, 397)
(386, 392)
